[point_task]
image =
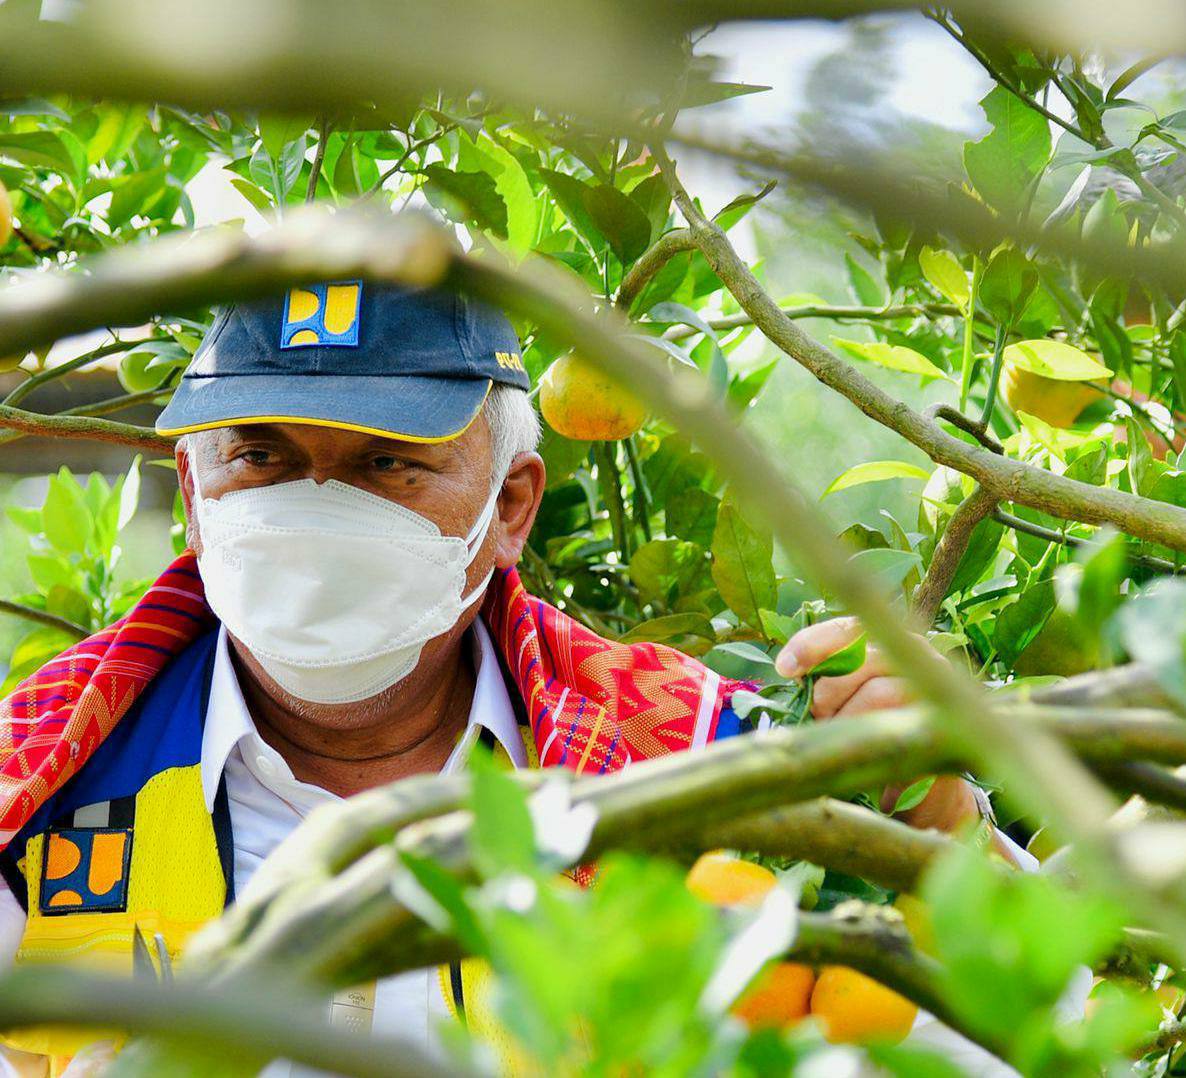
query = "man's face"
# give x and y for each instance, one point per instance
(447, 482)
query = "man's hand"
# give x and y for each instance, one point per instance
(951, 802)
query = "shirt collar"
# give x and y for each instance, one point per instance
(228, 722)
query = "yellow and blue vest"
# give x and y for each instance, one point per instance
(128, 843)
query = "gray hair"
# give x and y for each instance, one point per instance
(514, 427)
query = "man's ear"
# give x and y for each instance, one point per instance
(185, 480)
(522, 492)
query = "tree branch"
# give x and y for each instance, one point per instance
(43, 617)
(836, 835)
(96, 430)
(325, 900)
(35, 381)
(262, 1023)
(949, 551)
(835, 312)
(1038, 531)
(665, 248)
(872, 940)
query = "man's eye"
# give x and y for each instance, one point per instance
(256, 457)
(386, 463)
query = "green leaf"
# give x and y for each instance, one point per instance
(41, 149)
(669, 627)
(569, 193)
(875, 471)
(503, 836)
(1008, 283)
(709, 92)
(65, 516)
(620, 220)
(1141, 473)
(1005, 162)
(254, 194)
(25, 518)
(692, 515)
(914, 795)
(842, 662)
(1056, 359)
(944, 271)
(895, 357)
(511, 183)
(742, 566)
(727, 216)
(888, 566)
(864, 287)
(467, 198)
(1018, 624)
(276, 132)
(664, 567)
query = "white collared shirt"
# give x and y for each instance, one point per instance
(267, 802)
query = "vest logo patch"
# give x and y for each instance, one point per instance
(85, 870)
(322, 314)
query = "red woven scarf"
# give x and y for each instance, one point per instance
(594, 705)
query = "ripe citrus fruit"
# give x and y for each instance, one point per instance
(724, 880)
(779, 998)
(5, 216)
(853, 1008)
(1056, 402)
(581, 402)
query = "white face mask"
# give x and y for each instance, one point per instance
(333, 590)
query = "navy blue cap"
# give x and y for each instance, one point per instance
(415, 364)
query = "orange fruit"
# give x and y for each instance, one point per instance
(780, 997)
(582, 402)
(5, 215)
(725, 880)
(853, 1008)
(1056, 402)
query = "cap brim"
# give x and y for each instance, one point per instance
(413, 408)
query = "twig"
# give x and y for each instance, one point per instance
(95, 430)
(665, 248)
(1038, 531)
(969, 426)
(43, 617)
(103, 407)
(318, 159)
(52, 373)
(949, 551)
(1156, 784)
(835, 312)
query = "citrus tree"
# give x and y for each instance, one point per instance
(1033, 300)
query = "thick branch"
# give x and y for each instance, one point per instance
(82, 427)
(43, 617)
(326, 904)
(262, 1025)
(867, 939)
(837, 835)
(949, 551)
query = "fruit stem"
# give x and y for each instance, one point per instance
(609, 480)
(990, 398)
(969, 334)
(642, 503)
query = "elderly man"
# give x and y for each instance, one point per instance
(359, 471)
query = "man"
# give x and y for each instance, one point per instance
(359, 472)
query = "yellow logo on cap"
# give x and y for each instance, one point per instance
(322, 314)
